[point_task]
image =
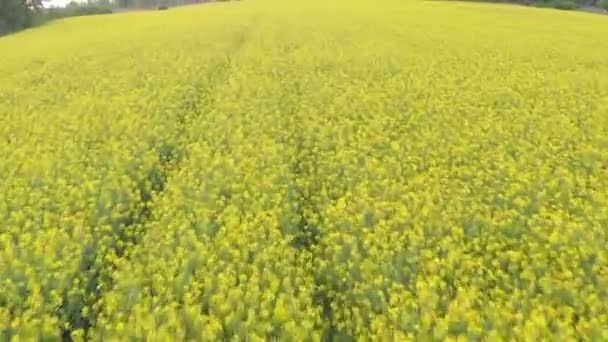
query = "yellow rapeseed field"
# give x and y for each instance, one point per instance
(306, 170)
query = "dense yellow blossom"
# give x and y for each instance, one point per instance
(305, 171)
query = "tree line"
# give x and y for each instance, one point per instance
(597, 5)
(17, 15)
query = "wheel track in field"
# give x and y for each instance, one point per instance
(309, 233)
(171, 154)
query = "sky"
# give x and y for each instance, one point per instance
(57, 3)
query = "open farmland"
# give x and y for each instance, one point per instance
(306, 170)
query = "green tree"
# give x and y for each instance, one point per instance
(19, 14)
(12, 15)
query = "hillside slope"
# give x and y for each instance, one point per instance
(306, 171)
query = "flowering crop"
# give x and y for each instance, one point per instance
(395, 170)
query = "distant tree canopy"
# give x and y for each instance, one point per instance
(560, 4)
(19, 14)
(572, 4)
(155, 3)
(74, 9)
(16, 15)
